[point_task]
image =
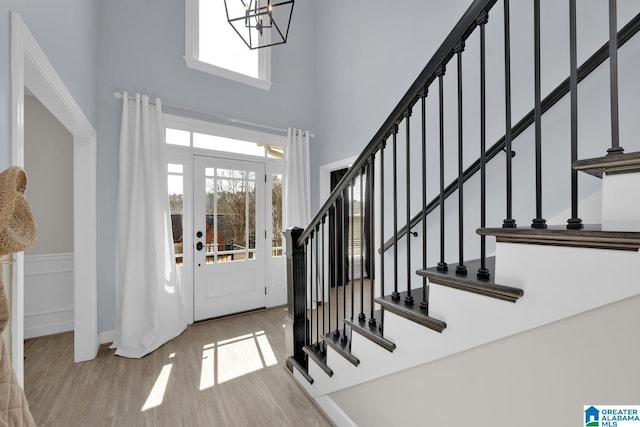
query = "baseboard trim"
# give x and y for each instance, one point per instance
(48, 294)
(333, 411)
(106, 337)
(44, 326)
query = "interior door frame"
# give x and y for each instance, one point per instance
(30, 67)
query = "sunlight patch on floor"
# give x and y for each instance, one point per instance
(235, 357)
(156, 396)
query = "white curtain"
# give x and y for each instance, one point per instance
(297, 187)
(149, 308)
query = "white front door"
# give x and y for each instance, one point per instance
(229, 227)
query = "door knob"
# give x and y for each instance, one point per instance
(199, 234)
(199, 246)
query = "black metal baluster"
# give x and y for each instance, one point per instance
(395, 295)
(442, 265)
(573, 223)
(539, 221)
(372, 244)
(361, 316)
(330, 281)
(324, 319)
(509, 222)
(483, 271)
(613, 78)
(407, 117)
(310, 287)
(337, 260)
(343, 244)
(461, 268)
(353, 238)
(317, 288)
(425, 291)
(307, 339)
(381, 279)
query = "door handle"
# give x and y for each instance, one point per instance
(199, 246)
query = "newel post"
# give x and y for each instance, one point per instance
(295, 329)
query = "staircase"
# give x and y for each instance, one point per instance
(450, 260)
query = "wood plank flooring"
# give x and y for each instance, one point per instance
(225, 372)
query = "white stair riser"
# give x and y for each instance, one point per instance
(621, 202)
(558, 282)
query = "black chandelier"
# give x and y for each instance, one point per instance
(260, 23)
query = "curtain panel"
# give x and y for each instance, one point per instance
(149, 307)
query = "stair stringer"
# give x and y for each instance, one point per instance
(558, 282)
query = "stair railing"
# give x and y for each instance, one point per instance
(323, 316)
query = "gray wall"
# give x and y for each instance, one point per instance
(556, 369)
(65, 30)
(367, 56)
(48, 161)
(141, 50)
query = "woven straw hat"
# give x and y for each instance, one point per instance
(17, 228)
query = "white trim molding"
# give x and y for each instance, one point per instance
(48, 294)
(30, 67)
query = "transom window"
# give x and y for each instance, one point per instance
(213, 46)
(185, 138)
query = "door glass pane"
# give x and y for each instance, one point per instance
(232, 218)
(276, 215)
(176, 192)
(230, 173)
(210, 221)
(251, 196)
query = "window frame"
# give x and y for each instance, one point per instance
(192, 48)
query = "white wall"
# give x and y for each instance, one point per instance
(49, 166)
(555, 369)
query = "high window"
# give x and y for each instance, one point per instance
(213, 46)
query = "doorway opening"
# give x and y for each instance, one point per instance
(48, 263)
(30, 68)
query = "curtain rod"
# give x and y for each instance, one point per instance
(195, 114)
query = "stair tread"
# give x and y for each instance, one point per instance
(318, 354)
(371, 332)
(615, 163)
(470, 282)
(340, 345)
(591, 236)
(300, 365)
(412, 312)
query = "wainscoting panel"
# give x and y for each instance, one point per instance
(48, 294)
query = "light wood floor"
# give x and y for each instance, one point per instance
(217, 373)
